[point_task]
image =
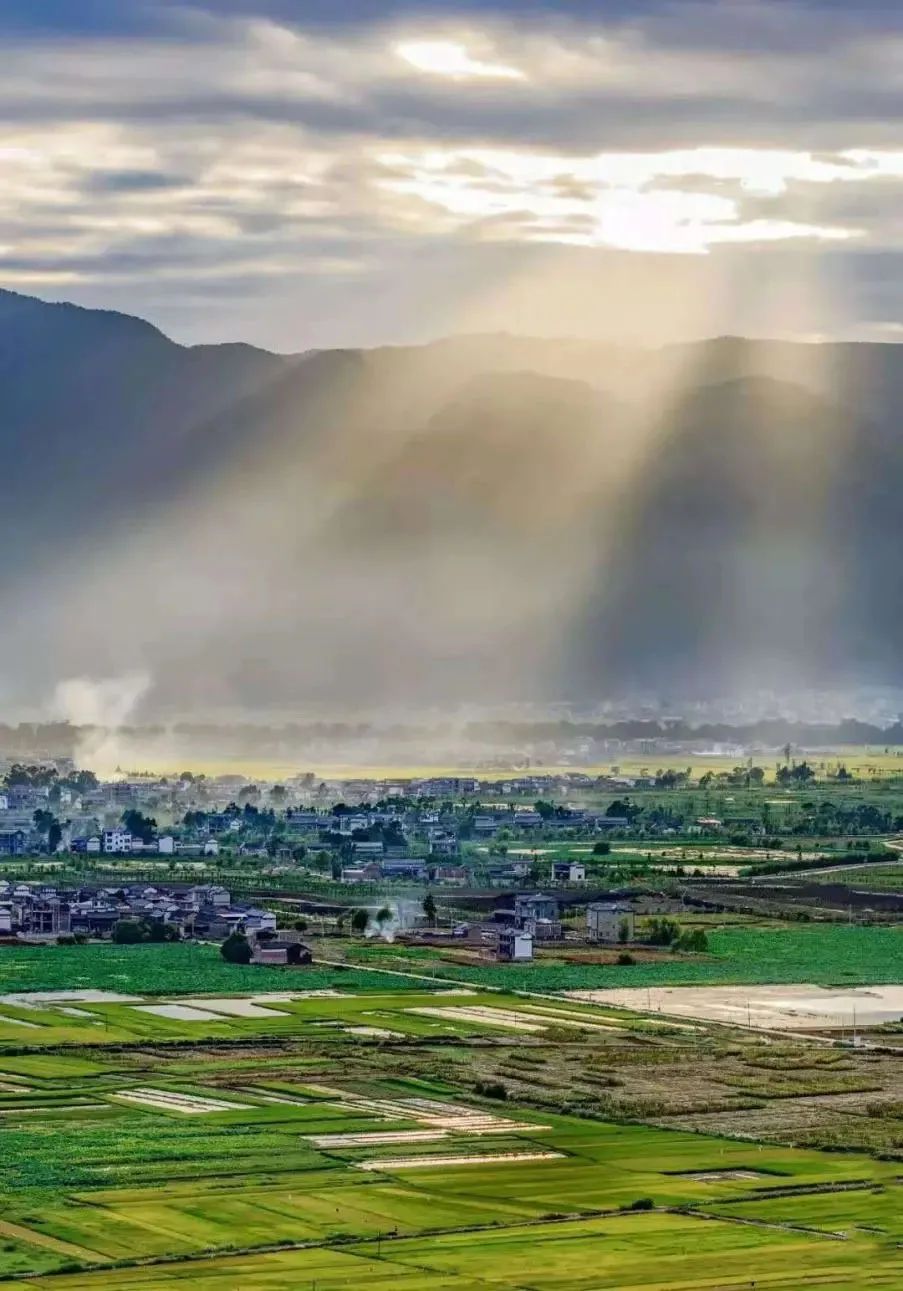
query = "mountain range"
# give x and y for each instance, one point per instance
(480, 517)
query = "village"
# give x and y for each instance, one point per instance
(506, 930)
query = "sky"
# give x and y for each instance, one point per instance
(311, 173)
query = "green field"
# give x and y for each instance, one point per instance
(824, 954)
(869, 878)
(334, 1140)
(160, 969)
(246, 1197)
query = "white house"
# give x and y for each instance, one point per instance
(514, 944)
(568, 872)
(211, 847)
(166, 845)
(117, 841)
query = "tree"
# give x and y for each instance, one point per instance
(47, 825)
(359, 921)
(800, 774)
(663, 932)
(622, 807)
(601, 849)
(128, 932)
(393, 834)
(30, 776)
(157, 930)
(429, 908)
(81, 781)
(299, 853)
(279, 793)
(383, 916)
(139, 825)
(42, 820)
(236, 949)
(624, 932)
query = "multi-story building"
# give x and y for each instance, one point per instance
(117, 841)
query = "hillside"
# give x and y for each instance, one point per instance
(484, 516)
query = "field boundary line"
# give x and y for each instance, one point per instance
(22, 1233)
(827, 1233)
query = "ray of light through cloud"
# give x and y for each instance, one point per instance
(251, 171)
(252, 153)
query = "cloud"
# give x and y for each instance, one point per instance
(132, 181)
(252, 144)
(448, 58)
(680, 201)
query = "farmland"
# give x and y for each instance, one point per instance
(155, 969)
(414, 1115)
(869, 878)
(827, 954)
(351, 1139)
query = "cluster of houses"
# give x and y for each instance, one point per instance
(522, 921)
(445, 831)
(41, 913)
(120, 842)
(32, 911)
(369, 856)
(90, 820)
